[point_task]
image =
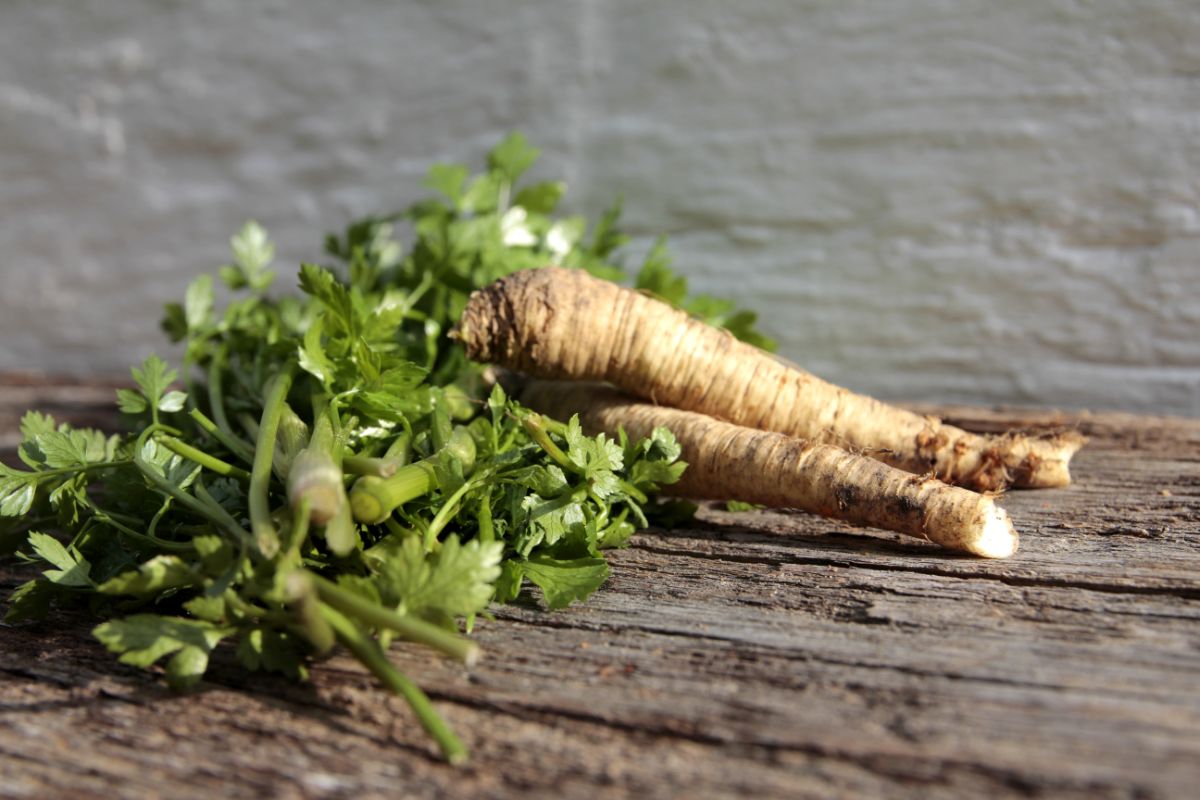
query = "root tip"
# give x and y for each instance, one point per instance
(998, 539)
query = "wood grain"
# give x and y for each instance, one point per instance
(763, 654)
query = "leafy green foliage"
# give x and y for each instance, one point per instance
(199, 524)
(143, 639)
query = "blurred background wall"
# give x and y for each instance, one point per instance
(946, 200)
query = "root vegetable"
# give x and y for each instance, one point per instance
(560, 323)
(731, 462)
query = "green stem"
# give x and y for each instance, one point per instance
(107, 519)
(368, 465)
(290, 440)
(218, 513)
(634, 492)
(306, 608)
(216, 401)
(447, 511)
(54, 473)
(368, 651)
(400, 447)
(534, 425)
(265, 534)
(487, 532)
(233, 444)
(203, 459)
(301, 518)
(374, 499)
(209, 510)
(411, 628)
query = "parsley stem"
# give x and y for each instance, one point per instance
(368, 465)
(216, 402)
(368, 651)
(374, 499)
(487, 531)
(204, 507)
(634, 492)
(108, 519)
(265, 534)
(203, 459)
(448, 509)
(411, 628)
(306, 609)
(301, 518)
(534, 425)
(400, 447)
(233, 444)
(94, 467)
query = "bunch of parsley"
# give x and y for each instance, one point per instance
(332, 470)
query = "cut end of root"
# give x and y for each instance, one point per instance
(1047, 461)
(998, 538)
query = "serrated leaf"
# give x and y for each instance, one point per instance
(31, 601)
(481, 197)
(216, 554)
(130, 402)
(553, 520)
(143, 639)
(187, 667)
(321, 284)
(61, 450)
(210, 609)
(198, 303)
(454, 581)
(156, 575)
(252, 252)
(73, 569)
(512, 156)
(448, 179)
(273, 651)
(232, 276)
(312, 356)
(174, 468)
(17, 491)
(34, 423)
(564, 581)
(540, 198)
(154, 377)
(172, 402)
(508, 585)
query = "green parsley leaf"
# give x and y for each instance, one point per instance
(512, 156)
(17, 491)
(152, 577)
(563, 582)
(73, 569)
(143, 639)
(455, 581)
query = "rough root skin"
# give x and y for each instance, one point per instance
(563, 323)
(731, 462)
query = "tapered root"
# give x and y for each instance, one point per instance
(730, 462)
(561, 323)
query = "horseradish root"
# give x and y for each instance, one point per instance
(560, 323)
(730, 462)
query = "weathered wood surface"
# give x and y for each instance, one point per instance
(766, 654)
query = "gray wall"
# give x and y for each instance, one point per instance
(927, 199)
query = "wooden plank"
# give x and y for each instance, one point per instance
(766, 654)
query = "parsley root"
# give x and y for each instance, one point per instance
(560, 323)
(730, 462)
